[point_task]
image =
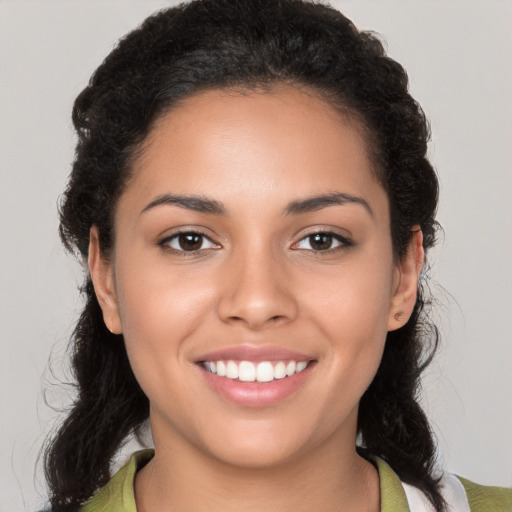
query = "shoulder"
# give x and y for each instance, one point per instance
(460, 494)
(118, 495)
(483, 498)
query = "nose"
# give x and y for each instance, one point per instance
(256, 291)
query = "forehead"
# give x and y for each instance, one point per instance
(276, 143)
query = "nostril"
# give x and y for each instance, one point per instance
(256, 306)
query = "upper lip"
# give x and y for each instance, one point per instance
(253, 353)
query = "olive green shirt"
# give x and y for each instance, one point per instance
(118, 495)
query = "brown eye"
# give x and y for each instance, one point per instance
(320, 241)
(189, 241)
(323, 241)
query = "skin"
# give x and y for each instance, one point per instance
(257, 280)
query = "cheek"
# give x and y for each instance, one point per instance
(356, 295)
(156, 296)
(351, 307)
(159, 310)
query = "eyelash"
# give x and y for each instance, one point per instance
(344, 242)
(181, 252)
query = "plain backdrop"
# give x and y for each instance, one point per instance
(458, 55)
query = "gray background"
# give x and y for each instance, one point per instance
(458, 56)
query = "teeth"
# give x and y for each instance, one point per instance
(246, 371)
(232, 370)
(301, 366)
(265, 372)
(221, 369)
(279, 370)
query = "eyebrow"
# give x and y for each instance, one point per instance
(196, 203)
(310, 204)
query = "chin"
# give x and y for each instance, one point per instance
(265, 443)
(257, 455)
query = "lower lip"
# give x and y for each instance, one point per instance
(256, 394)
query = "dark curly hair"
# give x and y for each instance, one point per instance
(245, 44)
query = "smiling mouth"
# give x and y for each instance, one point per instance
(247, 371)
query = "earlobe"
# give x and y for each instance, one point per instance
(101, 272)
(406, 287)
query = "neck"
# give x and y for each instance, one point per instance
(326, 479)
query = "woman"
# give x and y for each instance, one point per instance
(252, 196)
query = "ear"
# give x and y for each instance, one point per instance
(407, 273)
(102, 275)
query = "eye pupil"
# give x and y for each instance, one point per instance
(190, 241)
(320, 242)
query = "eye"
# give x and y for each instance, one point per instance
(188, 241)
(322, 241)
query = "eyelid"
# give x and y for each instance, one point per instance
(344, 241)
(165, 241)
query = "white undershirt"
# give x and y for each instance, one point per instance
(452, 491)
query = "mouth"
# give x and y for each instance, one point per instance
(249, 376)
(248, 371)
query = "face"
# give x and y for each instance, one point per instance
(253, 240)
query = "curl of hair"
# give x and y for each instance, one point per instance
(243, 45)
